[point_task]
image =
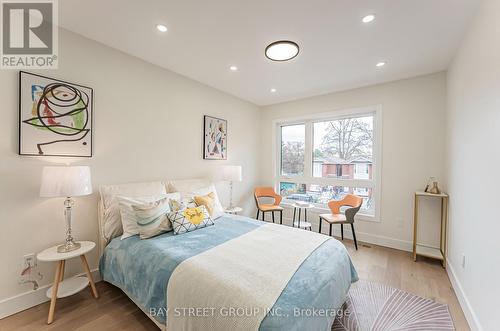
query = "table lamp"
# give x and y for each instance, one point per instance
(67, 182)
(231, 174)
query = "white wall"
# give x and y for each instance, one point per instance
(412, 149)
(148, 126)
(473, 135)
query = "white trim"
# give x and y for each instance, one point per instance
(375, 183)
(365, 237)
(29, 299)
(469, 313)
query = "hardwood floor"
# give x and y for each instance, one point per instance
(396, 268)
(114, 311)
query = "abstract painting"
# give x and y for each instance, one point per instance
(214, 138)
(55, 117)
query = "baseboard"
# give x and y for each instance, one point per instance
(29, 299)
(364, 237)
(469, 313)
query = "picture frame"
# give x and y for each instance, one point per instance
(214, 138)
(55, 117)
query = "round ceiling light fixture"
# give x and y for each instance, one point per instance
(282, 50)
(368, 18)
(161, 28)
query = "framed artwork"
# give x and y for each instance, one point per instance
(55, 117)
(214, 138)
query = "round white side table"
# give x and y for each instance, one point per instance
(63, 288)
(234, 210)
(301, 224)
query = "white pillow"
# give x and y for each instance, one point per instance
(111, 220)
(129, 216)
(218, 209)
(152, 218)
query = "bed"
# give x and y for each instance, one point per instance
(144, 269)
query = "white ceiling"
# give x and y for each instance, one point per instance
(338, 51)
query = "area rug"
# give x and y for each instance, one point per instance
(376, 307)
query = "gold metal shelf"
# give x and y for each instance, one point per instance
(424, 250)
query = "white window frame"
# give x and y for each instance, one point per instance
(308, 120)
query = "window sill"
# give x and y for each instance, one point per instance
(320, 210)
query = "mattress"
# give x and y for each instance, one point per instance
(142, 268)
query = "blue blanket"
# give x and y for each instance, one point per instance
(142, 268)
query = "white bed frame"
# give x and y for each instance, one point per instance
(102, 239)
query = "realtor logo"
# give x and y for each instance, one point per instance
(29, 34)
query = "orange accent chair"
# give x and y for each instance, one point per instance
(268, 192)
(336, 217)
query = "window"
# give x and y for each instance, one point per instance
(292, 150)
(324, 158)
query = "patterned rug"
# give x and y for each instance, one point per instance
(376, 307)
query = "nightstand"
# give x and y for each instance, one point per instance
(63, 288)
(234, 210)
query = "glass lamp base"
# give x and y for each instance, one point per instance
(68, 247)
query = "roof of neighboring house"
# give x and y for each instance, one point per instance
(338, 160)
(362, 159)
(330, 160)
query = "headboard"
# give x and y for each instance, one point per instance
(108, 212)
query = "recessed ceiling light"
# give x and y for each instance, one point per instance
(233, 68)
(368, 18)
(381, 64)
(161, 28)
(273, 90)
(282, 50)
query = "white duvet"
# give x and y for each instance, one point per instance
(233, 286)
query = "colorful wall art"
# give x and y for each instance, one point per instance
(214, 138)
(55, 117)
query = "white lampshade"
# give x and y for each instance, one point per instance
(65, 181)
(232, 173)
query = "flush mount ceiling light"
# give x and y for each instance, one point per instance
(368, 18)
(161, 28)
(233, 68)
(273, 90)
(282, 50)
(380, 64)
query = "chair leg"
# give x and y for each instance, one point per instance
(272, 214)
(263, 216)
(281, 216)
(354, 236)
(257, 215)
(331, 229)
(342, 231)
(320, 221)
(293, 219)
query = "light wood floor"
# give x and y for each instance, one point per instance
(114, 311)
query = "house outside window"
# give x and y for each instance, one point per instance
(327, 156)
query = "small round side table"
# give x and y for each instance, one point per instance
(234, 210)
(301, 224)
(63, 288)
